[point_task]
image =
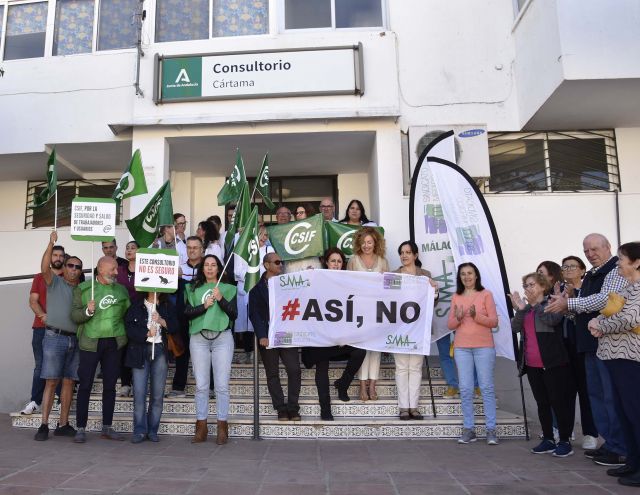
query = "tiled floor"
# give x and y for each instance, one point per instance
(283, 467)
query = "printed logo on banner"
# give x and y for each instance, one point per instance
(400, 341)
(446, 286)
(468, 234)
(282, 338)
(299, 238)
(392, 281)
(181, 77)
(292, 282)
(106, 301)
(206, 295)
(345, 242)
(469, 240)
(434, 222)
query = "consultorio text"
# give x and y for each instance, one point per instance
(254, 66)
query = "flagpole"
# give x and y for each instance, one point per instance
(153, 343)
(55, 210)
(223, 269)
(93, 277)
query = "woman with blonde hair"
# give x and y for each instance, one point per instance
(369, 256)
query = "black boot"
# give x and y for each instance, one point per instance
(342, 386)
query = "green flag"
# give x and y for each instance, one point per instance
(248, 248)
(296, 240)
(132, 182)
(230, 192)
(47, 193)
(262, 183)
(144, 228)
(240, 215)
(340, 235)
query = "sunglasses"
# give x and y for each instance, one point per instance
(73, 265)
(276, 262)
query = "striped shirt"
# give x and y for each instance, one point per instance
(619, 341)
(613, 282)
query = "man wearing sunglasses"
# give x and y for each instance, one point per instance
(60, 353)
(259, 315)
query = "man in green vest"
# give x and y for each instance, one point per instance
(101, 338)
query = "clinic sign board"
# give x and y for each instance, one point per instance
(259, 74)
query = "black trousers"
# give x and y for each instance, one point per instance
(109, 357)
(625, 376)
(182, 362)
(125, 372)
(271, 361)
(553, 389)
(576, 362)
(323, 355)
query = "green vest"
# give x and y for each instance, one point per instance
(214, 319)
(112, 302)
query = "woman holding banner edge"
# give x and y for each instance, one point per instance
(472, 317)
(368, 256)
(211, 308)
(409, 366)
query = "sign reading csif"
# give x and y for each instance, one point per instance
(93, 219)
(324, 71)
(156, 270)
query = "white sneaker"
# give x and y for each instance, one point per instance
(589, 442)
(125, 391)
(30, 408)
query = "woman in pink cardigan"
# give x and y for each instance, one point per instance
(472, 317)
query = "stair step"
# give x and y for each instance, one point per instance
(508, 426)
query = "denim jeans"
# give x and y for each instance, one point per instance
(483, 361)
(37, 383)
(446, 362)
(216, 353)
(602, 402)
(147, 420)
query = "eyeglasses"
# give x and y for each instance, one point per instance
(529, 286)
(73, 265)
(568, 268)
(300, 212)
(326, 206)
(276, 262)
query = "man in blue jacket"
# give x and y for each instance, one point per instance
(259, 316)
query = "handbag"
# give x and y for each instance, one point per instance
(615, 303)
(175, 344)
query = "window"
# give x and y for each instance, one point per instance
(1, 22)
(74, 27)
(117, 24)
(553, 161)
(26, 29)
(179, 20)
(67, 190)
(332, 14)
(240, 17)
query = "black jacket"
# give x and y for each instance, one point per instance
(259, 308)
(135, 322)
(548, 334)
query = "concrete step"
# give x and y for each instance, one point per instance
(509, 426)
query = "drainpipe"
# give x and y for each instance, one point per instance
(618, 218)
(139, 17)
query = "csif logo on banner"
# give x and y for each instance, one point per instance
(106, 301)
(206, 295)
(345, 242)
(152, 216)
(299, 238)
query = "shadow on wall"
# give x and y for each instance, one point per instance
(16, 356)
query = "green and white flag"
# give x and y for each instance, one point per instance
(340, 235)
(301, 239)
(47, 193)
(230, 192)
(240, 215)
(145, 227)
(248, 248)
(132, 182)
(262, 183)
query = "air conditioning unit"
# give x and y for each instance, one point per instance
(471, 142)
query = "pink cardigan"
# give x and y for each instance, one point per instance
(474, 332)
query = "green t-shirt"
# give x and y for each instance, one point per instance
(214, 319)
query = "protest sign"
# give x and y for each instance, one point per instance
(156, 270)
(93, 219)
(387, 312)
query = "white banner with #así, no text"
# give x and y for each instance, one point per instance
(387, 312)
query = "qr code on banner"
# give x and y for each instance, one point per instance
(283, 338)
(392, 281)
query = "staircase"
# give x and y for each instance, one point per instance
(353, 420)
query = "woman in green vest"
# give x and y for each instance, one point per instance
(210, 306)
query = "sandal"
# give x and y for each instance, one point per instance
(404, 415)
(415, 414)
